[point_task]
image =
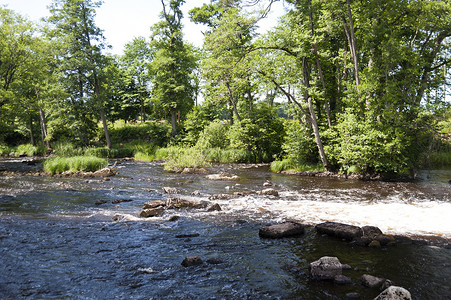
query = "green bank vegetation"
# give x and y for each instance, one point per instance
(351, 87)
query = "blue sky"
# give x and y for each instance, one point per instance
(123, 20)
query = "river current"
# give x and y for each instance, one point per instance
(56, 243)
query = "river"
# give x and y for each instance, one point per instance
(56, 243)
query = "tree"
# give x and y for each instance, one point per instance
(81, 57)
(173, 64)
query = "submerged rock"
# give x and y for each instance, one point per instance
(215, 261)
(325, 268)
(343, 231)
(342, 280)
(222, 176)
(372, 281)
(100, 202)
(287, 229)
(121, 200)
(394, 293)
(192, 261)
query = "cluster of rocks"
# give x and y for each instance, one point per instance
(196, 260)
(330, 268)
(105, 173)
(156, 208)
(365, 236)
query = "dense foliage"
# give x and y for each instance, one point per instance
(346, 86)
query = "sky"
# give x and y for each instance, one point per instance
(122, 20)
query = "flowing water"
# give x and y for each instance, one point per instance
(56, 243)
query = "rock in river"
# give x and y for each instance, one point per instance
(192, 261)
(170, 190)
(343, 231)
(372, 281)
(269, 192)
(325, 268)
(151, 212)
(394, 293)
(286, 229)
(222, 176)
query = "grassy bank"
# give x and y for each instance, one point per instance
(56, 165)
(23, 150)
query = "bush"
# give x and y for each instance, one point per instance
(5, 150)
(228, 155)
(29, 150)
(291, 165)
(158, 133)
(214, 136)
(299, 144)
(58, 165)
(66, 149)
(261, 134)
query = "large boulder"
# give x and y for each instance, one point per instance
(394, 293)
(343, 231)
(287, 229)
(325, 268)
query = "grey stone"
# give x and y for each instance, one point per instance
(154, 204)
(343, 231)
(342, 279)
(214, 207)
(152, 212)
(269, 192)
(372, 281)
(394, 293)
(325, 268)
(287, 229)
(170, 190)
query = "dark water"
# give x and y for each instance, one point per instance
(55, 243)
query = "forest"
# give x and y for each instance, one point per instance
(343, 86)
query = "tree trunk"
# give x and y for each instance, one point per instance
(105, 128)
(43, 129)
(351, 40)
(232, 99)
(313, 120)
(32, 141)
(174, 121)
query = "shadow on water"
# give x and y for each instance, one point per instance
(55, 242)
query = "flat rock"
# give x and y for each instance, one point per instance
(372, 281)
(325, 268)
(194, 171)
(269, 192)
(287, 229)
(222, 176)
(192, 261)
(343, 231)
(152, 212)
(121, 200)
(154, 204)
(394, 293)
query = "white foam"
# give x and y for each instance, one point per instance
(392, 215)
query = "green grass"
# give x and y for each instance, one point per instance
(56, 165)
(185, 158)
(27, 149)
(289, 165)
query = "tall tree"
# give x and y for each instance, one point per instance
(173, 64)
(81, 60)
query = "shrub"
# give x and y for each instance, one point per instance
(228, 155)
(29, 150)
(66, 149)
(56, 165)
(5, 150)
(288, 164)
(299, 143)
(158, 133)
(214, 136)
